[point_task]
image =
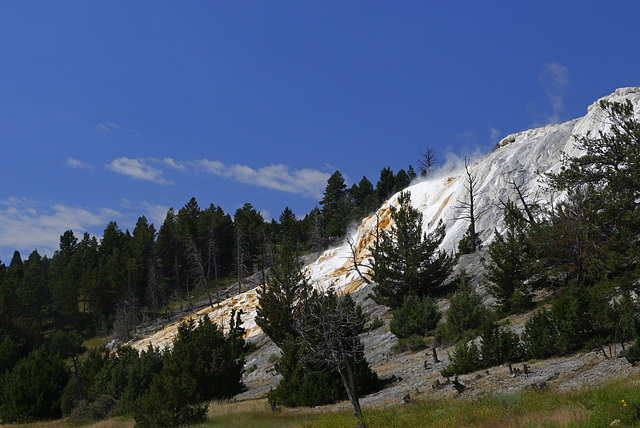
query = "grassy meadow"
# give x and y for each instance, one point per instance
(613, 404)
(616, 404)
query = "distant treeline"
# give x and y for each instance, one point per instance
(99, 286)
(110, 283)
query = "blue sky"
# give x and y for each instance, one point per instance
(112, 110)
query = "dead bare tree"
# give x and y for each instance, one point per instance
(212, 257)
(355, 264)
(153, 284)
(329, 326)
(428, 161)
(316, 229)
(523, 196)
(196, 268)
(469, 207)
(240, 256)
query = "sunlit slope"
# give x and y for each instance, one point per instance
(520, 159)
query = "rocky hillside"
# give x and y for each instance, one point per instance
(514, 166)
(519, 159)
(416, 374)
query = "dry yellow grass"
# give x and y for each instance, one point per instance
(217, 408)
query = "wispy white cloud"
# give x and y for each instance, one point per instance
(138, 169)
(494, 133)
(26, 225)
(180, 166)
(554, 79)
(155, 213)
(106, 127)
(77, 164)
(558, 73)
(307, 182)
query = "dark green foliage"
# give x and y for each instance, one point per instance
(465, 245)
(9, 353)
(304, 386)
(411, 173)
(309, 385)
(595, 231)
(67, 344)
(127, 375)
(288, 226)
(540, 335)
(329, 327)
(335, 207)
(386, 184)
(405, 260)
(203, 353)
(499, 346)
(584, 318)
(307, 378)
(633, 353)
(416, 316)
(401, 181)
(364, 198)
(466, 313)
(249, 237)
(572, 242)
(163, 389)
(169, 403)
(411, 343)
(465, 358)
(510, 265)
(279, 304)
(87, 370)
(611, 159)
(32, 390)
(279, 307)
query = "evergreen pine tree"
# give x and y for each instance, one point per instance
(406, 260)
(510, 265)
(334, 206)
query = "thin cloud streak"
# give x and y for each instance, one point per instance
(138, 169)
(26, 225)
(106, 128)
(554, 79)
(306, 182)
(77, 164)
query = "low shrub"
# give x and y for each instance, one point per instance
(416, 316)
(413, 343)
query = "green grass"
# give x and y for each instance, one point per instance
(587, 407)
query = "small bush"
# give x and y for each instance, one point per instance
(465, 358)
(32, 390)
(499, 346)
(416, 316)
(540, 336)
(413, 343)
(168, 403)
(252, 368)
(633, 353)
(376, 323)
(466, 312)
(273, 358)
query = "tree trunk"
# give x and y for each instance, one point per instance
(78, 380)
(350, 383)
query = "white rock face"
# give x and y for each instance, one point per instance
(522, 158)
